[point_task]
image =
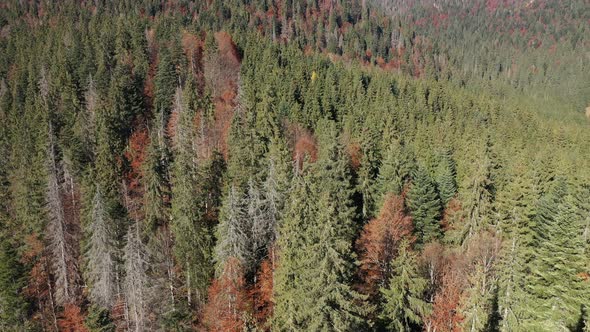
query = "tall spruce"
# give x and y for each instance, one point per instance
(193, 238)
(425, 207)
(404, 307)
(331, 258)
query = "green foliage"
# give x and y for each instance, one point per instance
(425, 207)
(404, 307)
(98, 320)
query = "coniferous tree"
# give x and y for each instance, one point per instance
(515, 213)
(234, 231)
(331, 260)
(404, 307)
(136, 283)
(292, 244)
(445, 178)
(559, 261)
(395, 170)
(193, 243)
(425, 207)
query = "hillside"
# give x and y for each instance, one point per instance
(294, 165)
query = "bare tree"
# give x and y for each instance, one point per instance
(233, 231)
(63, 256)
(100, 255)
(136, 282)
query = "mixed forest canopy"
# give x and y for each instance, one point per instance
(282, 165)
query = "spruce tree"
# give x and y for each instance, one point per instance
(425, 207)
(291, 278)
(331, 259)
(395, 170)
(445, 177)
(193, 238)
(404, 307)
(556, 283)
(515, 213)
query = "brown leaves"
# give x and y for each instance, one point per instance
(228, 300)
(262, 294)
(379, 242)
(71, 319)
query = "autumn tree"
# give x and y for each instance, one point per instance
(379, 243)
(227, 304)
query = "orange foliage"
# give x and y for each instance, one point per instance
(303, 142)
(148, 88)
(379, 242)
(221, 72)
(192, 47)
(228, 300)
(118, 315)
(262, 294)
(71, 319)
(445, 316)
(452, 215)
(584, 275)
(355, 153)
(39, 285)
(135, 154)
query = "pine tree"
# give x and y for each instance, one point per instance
(404, 307)
(425, 207)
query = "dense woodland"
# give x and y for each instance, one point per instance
(281, 165)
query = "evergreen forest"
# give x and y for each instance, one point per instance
(295, 165)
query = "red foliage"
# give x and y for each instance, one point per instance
(445, 316)
(39, 286)
(303, 142)
(135, 154)
(379, 242)
(71, 319)
(355, 153)
(262, 294)
(228, 300)
(451, 215)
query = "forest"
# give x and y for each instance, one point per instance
(295, 165)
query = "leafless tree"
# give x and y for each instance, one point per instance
(100, 255)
